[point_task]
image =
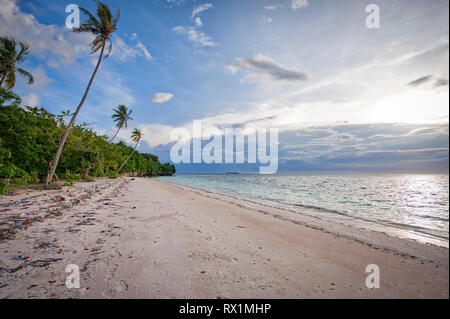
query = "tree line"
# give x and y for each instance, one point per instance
(29, 138)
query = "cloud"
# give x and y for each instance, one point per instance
(200, 9)
(298, 4)
(267, 19)
(270, 7)
(162, 97)
(420, 81)
(197, 37)
(344, 147)
(153, 134)
(144, 50)
(262, 65)
(198, 22)
(31, 99)
(440, 82)
(175, 2)
(425, 131)
(57, 44)
(193, 34)
(124, 52)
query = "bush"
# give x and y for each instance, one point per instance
(114, 175)
(12, 175)
(3, 188)
(69, 177)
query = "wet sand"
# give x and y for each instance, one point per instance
(144, 238)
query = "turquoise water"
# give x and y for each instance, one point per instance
(407, 206)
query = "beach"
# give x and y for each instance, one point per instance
(146, 238)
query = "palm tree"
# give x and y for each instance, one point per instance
(136, 137)
(12, 53)
(121, 117)
(102, 28)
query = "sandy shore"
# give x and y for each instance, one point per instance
(144, 238)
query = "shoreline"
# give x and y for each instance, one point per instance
(371, 238)
(401, 231)
(147, 238)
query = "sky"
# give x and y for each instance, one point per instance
(344, 97)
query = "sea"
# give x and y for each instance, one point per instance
(407, 206)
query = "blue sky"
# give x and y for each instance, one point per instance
(344, 97)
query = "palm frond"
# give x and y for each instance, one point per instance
(10, 79)
(101, 27)
(27, 75)
(24, 51)
(137, 135)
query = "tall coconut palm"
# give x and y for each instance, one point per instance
(121, 117)
(136, 137)
(11, 54)
(102, 28)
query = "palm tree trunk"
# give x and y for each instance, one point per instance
(127, 158)
(115, 135)
(66, 133)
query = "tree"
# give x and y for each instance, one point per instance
(11, 54)
(29, 138)
(102, 28)
(121, 117)
(136, 137)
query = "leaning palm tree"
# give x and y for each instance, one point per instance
(11, 54)
(136, 137)
(102, 28)
(121, 117)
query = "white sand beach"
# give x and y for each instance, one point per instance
(144, 238)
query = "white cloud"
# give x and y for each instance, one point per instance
(124, 52)
(270, 7)
(267, 19)
(144, 50)
(31, 99)
(193, 34)
(298, 4)
(259, 65)
(162, 97)
(197, 37)
(57, 44)
(153, 134)
(198, 22)
(200, 9)
(175, 2)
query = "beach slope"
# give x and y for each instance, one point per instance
(145, 238)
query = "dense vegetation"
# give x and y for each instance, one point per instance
(29, 138)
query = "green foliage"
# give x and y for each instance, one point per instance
(29, 138)
(13, 175)
(3, 188)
